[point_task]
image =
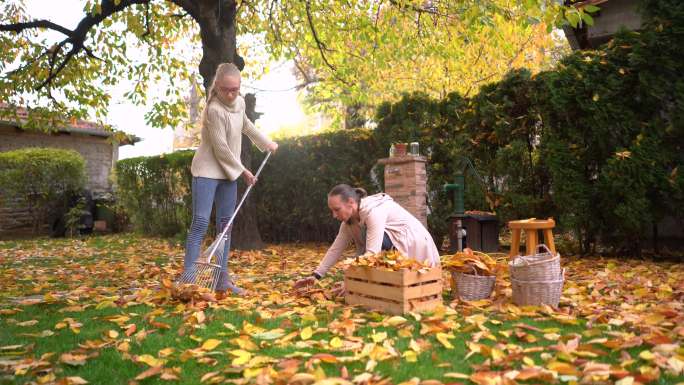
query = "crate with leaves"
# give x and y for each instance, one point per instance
(392, 283)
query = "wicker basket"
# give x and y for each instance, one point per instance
(472, 287)
(542, 266)
(538, 292)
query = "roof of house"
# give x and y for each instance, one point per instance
(75, 126)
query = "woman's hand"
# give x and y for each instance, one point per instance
(307, 281)
(248, 177)
(272, 147)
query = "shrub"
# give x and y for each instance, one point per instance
(42, 179)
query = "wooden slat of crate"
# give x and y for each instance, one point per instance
(375, 304)
(402, 277)
(394, 292)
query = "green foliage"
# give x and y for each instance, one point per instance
(293, 188)
(598, 142)
(156, 192)
(290, 196)
(614, 140)
(42, 179)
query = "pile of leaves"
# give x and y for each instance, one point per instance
(469, 261)
(387, 260)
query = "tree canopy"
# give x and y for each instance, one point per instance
(348, 53)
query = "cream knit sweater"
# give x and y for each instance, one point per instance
(218, 156)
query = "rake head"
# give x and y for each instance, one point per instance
(206, 271)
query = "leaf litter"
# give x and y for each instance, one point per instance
(619, 321)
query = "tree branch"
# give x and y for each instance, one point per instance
(75, 38)
(20, 27)
(319, 43)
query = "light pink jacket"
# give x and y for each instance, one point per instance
(379, 213)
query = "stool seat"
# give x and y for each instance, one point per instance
(531, 226)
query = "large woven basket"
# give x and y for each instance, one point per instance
(536, 293)
(542, 266)
(472, 287)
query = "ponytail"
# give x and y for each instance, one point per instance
(346, 192)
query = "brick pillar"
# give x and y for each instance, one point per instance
(406, 182)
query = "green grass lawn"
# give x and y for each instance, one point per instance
(98, 310)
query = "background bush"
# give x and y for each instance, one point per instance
(41, 179)
(156, 192)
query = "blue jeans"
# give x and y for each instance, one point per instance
(206, 192)
(386, 242)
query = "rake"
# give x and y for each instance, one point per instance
(206, 271)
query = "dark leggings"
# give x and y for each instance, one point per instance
(386, 242)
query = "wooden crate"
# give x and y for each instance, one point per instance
(395, 292)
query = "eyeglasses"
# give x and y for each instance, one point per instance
(226, 90)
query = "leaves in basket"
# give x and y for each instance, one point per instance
(469, 262)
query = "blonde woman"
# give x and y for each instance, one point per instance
(216, 166)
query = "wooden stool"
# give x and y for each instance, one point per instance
(531, 226)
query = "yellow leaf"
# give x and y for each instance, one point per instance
(497, 354)
(166, 352)
(410, 356)
(336, 343)
(241, 356)
(210, 344)
(646, 355)
(563, 368)
(379, 337)
(444, 339)
(149, 360)
(319, 374)
(528, 361)
(306, 333)
(112, 334)
(396, 320)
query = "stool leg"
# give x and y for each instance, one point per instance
(548, 239)
(531, 241)
(515, 244)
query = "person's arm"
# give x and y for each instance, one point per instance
(219, 144)
(375, 229)
(257, 137)
(334, 252)
(331, 257)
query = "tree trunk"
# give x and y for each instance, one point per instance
(217, 29)
(246, 234)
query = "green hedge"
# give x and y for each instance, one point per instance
(156, 192)
(598, 142)
(41, 179)
(292, 192)
(290, 196)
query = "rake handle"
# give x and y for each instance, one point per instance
(242, 200)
